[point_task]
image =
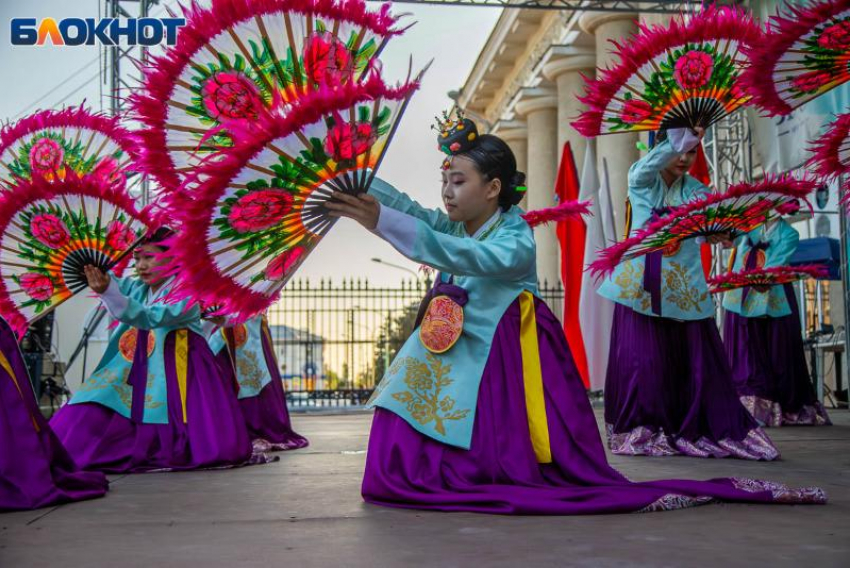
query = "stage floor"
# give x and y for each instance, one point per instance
(306, 510)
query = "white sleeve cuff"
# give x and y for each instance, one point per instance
(682, 139)
(398, 229)
(115, 302)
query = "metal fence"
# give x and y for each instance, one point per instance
(333, 341)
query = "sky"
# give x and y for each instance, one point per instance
(48, 77)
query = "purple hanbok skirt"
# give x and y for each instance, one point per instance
(500, 473)
(769, 368)
(35, 470)
(669, 391)
(265, 415)
(213, 436)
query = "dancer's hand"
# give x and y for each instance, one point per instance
(363, 208)
(98, 280)
(699, 131)
(720, 238)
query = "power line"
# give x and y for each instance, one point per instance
(56, 88)
(78, 89)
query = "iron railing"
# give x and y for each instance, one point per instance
(333, 341)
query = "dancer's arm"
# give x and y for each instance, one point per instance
(503, 256)
(643, 173)
(133, 312)
(388, 195)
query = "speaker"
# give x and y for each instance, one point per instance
(34, 345)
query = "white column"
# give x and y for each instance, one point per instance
(619, 151)
(539, 108)
(565, 67)
(515, 134)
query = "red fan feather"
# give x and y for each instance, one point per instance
(771, 276)
(831, 152)
(804, 54)
(739, 209)
(562, 212)
(681, 75)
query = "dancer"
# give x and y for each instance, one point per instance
(245, 355)
(156, 401)
(35, 470)
(483, 408)
(763, 337)
(668, 388)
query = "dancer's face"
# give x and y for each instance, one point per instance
(467, 194)
(681, 164)
(148, 262)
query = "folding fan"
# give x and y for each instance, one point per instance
(738, 210)
(804, 54)
(682, 75)
(765, 277)
(243, 58)
(53, 143)
(50, 231)
(258, 209)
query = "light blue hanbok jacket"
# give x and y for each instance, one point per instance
(681, 292)
(130, 302)
(772, 247)
(437, 394)
(252, 372)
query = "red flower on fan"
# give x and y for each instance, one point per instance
(812, 81)
(689, 225)
(693, 69)
(119, 236)
(231, 95)
(259, 210)
(635, 111)
(346, 143)
(836, 36)
(46, 155)
(327, 59)
(281, 265)
(49, 230)
(36, 286)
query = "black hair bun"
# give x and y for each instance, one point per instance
(513, 193)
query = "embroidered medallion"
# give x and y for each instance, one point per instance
(240, 335)
(442, 325)
(127, 343)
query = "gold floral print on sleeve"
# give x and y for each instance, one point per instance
(630, 281)
(678, 288)
(425, 381)
(776, 302)
(248, 367)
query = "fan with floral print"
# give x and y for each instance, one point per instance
(52, 144)
(804, 54)
(50, 231)
(681, 75)
(763, 277)
(241, 59)
(258, 209)
(738, 210)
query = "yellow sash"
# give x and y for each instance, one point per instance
(535, 402)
